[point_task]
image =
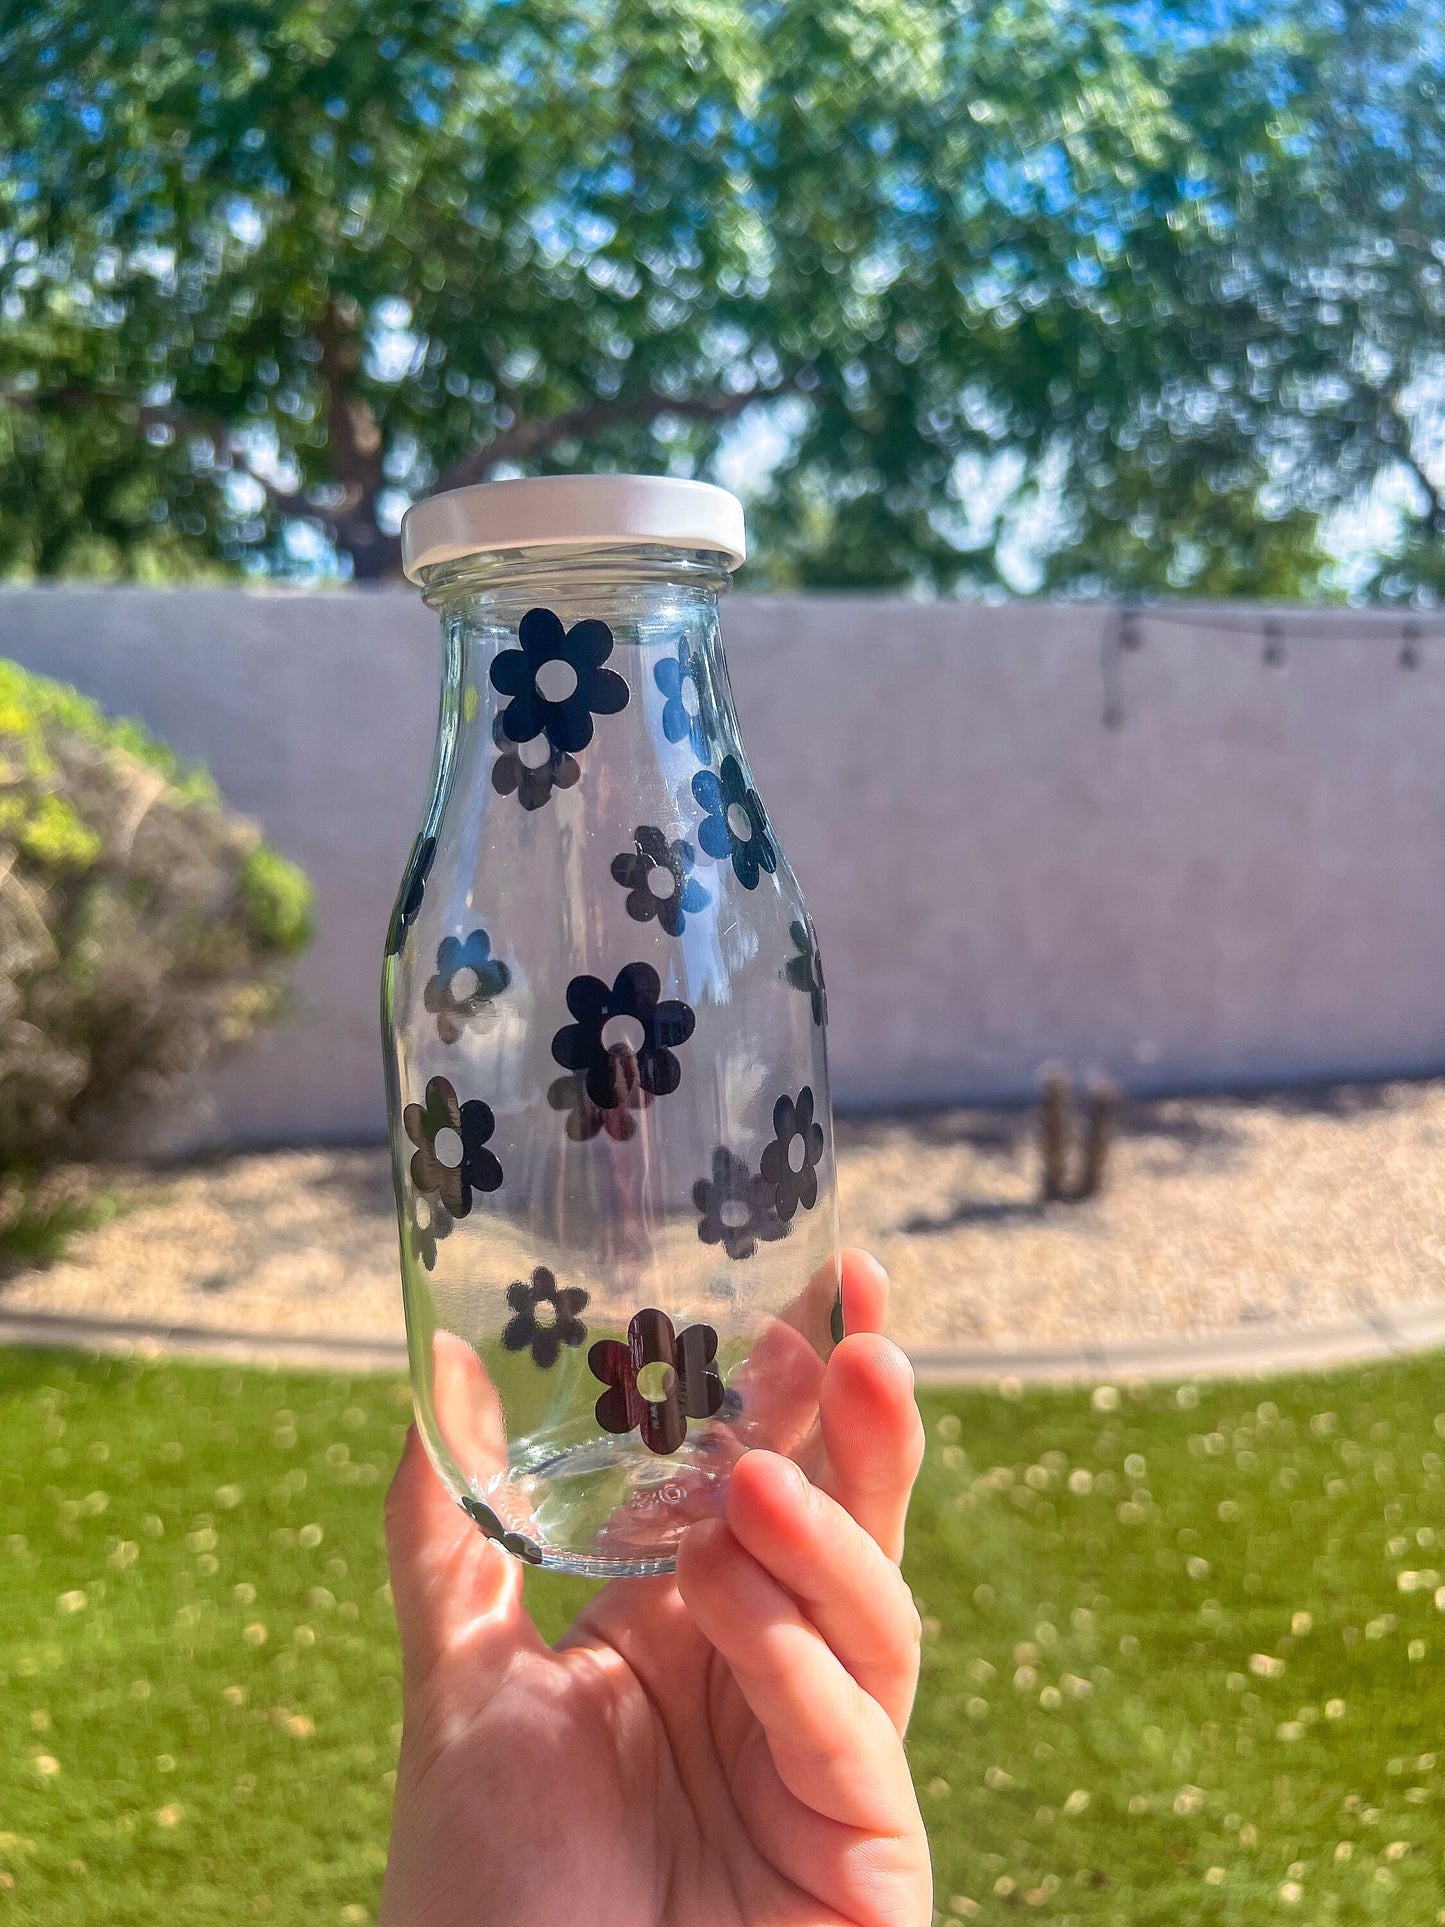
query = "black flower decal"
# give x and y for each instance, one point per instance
(657, 1381)
(805, 970)
(544, 1318)
(558, 703)
(430, 1223)
(682, 713)
(739, 1210)
(468, 978)
(640, 1027)
(734, 824)
(790, 1162)
(532, 782)
(472, 1123)
(491, 1525)
(584, 1118)
(413, 888)
(657, 877)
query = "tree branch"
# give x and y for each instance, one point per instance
(355, 443)
(75, 396)
(1434, 495)
(283, 501)
(529, 437)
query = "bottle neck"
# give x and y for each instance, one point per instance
(653, 602)
(615, 584)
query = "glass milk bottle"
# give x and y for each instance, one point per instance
(603, 1013)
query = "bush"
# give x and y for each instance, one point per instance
(142, 927)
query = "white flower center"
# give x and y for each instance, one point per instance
(655, 1382)
(623, 1033)
(556, 681)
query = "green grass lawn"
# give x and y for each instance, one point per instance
(1183, 1650)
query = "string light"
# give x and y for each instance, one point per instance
(1296, 628)
(1125, 636)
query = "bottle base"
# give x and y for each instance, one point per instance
(609, 1508)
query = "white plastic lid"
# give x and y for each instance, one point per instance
(552, 511)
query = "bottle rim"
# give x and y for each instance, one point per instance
(572, 511)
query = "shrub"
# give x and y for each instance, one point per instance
(142, 927)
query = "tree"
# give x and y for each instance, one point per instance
(1167, 279)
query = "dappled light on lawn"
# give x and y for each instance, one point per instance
(1181, 1646)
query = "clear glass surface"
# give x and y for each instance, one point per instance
(604, 1024)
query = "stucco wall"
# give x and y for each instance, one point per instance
(1243, 882)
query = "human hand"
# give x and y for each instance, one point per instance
(722, 1748)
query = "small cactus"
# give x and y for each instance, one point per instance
(1099, 1121)
(1059, 1183)
(1056, 1133)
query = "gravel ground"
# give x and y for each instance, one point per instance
(1296, 1210)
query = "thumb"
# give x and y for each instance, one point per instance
(455, 1590)
(447, 1580)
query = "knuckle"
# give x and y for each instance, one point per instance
(917, 1443)
(912, 1628)
(832, 1748)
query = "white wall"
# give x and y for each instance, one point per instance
(1243, 882)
